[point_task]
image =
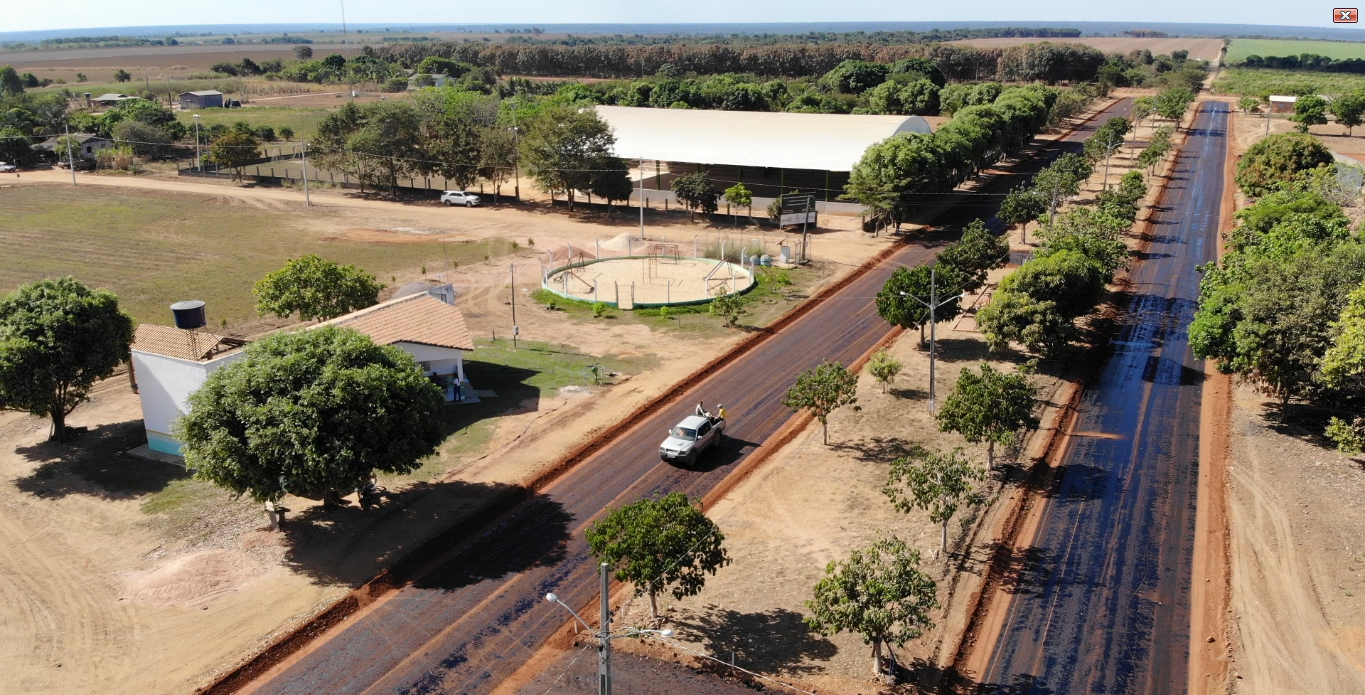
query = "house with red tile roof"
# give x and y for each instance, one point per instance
(169, 363)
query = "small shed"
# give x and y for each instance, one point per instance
(1280, 103)
(206, 99)
(88, 145)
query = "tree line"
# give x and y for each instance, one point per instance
(1309, 62)
(1044, 61)
(1285, 307)
(897, 173)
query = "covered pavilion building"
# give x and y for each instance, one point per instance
(770, 152)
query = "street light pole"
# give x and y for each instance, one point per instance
(604, 636)
(307, 200)
(512, 268)
(932, 305)
(604, 646)
(70, 160)
(642, 198)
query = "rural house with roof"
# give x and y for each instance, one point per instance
(169, 363)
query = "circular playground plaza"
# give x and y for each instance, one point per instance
(655, 275)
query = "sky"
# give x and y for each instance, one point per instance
(59, 14)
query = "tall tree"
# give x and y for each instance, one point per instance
(933, 481)
(901, 301)
(1348, 109)
(1022, 206)
(563, 147)
(822, 390)
(10, 82)
(310, 413)
(696, 191)
(57, 338)
(879, 593)
(316, 289)
(974, 255)
(234, 151)
(657, 543)
(991, 407)
(1309, 110)
(454, 122)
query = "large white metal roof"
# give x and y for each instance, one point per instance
(818, 141)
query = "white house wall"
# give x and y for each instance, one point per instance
(164, 385)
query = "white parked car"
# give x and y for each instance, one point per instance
(692, 436)
(468, 200)
(6, 168)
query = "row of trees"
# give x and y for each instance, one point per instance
(1044, 61)
(896, 174)
(466, 136)
(1283, 309)
(1037, 305)
(1306, 61)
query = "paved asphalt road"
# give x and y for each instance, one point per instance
(470, 622)
(1102, 603)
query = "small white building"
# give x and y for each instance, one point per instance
(1280, 103)
(169, 364)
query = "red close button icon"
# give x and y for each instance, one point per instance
(1345, 15)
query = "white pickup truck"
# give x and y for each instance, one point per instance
(690, 437)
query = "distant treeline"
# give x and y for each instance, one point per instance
(1045, 62)
(810, 37)
(1306, 61)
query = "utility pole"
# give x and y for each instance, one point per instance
(306, 199)
(933, 304)
(70, 160)
(603, 635)
(642, 197)
(604, 644)
(512, 268)
(198, 160)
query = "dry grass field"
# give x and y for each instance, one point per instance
(153, 248)
(1200, 48)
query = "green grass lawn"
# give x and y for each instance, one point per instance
(518, 377)
(303, 120)
(153, 250)
(1239, 49)
(1260, 82)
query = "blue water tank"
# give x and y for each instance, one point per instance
(189, 315)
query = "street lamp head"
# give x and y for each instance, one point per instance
(551, 598)
(665, 633)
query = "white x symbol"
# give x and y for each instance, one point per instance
(1346, 15)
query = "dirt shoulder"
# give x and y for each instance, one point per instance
(1298, 559)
